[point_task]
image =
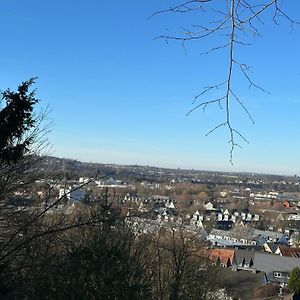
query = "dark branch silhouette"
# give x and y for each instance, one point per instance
(236, 20)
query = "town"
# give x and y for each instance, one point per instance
(241, 222)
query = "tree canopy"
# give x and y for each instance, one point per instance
(16, 121)
(294, 281)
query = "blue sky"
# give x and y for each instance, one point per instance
(117, 95)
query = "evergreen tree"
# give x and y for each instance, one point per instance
(16, 121)
(294, 281)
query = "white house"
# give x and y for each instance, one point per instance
(72, 193)
(209, 206)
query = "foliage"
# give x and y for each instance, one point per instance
(16, 120)
(239, 285)
(294, 281)
(102, 264)
(268, 290)
(177, 266)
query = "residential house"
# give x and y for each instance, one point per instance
(288, 251)
(270, 247)
(271, 236)
(132, 198)
(244, 260)
(209, 206)
(197, 216)
(293, 217)
(277, 268)
(235, 237)
(294, 239)
(161, 199)
(72, 193)
(170, 205)
(110, 183)
(245, 236)
(222, 257)
(84, 180)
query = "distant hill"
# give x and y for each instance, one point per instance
(55, 166)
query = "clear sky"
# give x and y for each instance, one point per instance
(119, 96)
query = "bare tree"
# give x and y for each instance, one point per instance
(28, 222)
(237, 21)
(178, 266)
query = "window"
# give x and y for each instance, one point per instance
(277, 274)
(251, 263)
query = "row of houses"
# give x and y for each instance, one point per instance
(168, 214)
(225, 215)
(111, 183)
(169, 218)
(276, 268)
(142, 199)
(245, 236)
(146, 226)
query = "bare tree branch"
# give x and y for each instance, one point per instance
(235, 21)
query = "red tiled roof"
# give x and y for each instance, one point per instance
(290, 252)
(223, 255)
